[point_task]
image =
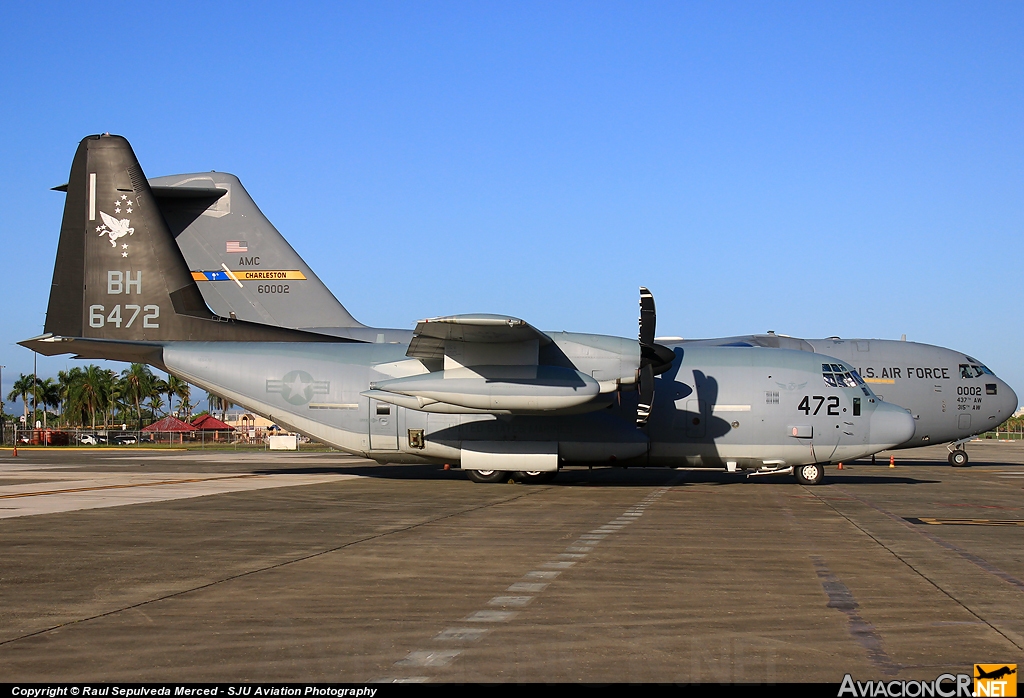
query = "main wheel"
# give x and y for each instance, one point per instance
(487, 475)
(958, 458)
(811, 474)
(536, 477)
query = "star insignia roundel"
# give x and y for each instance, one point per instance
(298, 387)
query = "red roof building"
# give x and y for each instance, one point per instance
(208, 422)
(169, 423)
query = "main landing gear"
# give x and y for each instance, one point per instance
(487, 475)
(530, 477)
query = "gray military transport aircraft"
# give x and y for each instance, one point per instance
(246, 269)
(490, 392)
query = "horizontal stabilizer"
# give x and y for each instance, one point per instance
(114, 350)
(193, 192)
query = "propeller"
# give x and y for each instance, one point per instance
(654, 358)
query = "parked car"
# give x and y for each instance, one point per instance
(124, 439)
(88, 439)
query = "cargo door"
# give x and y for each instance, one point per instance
(383, 426)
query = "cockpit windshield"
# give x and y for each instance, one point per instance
(839, 376)
(974, 370)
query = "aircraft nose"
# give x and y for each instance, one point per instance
(891, 425)
(1008, 398)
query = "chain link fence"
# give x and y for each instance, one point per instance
(254, 440)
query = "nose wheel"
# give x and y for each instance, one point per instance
(810, 474)
(958, 458)
(957, 455)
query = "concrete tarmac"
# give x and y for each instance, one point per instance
(132, 565)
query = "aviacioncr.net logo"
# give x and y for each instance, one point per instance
(995, 680)
(944, 686)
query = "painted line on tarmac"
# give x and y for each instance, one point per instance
(117, 487)
(104, 490)
(929, 521)
(458, 638)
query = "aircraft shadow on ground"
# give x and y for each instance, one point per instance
(599, 477)
(879, 480)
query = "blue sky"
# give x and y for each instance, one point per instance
(813, 168)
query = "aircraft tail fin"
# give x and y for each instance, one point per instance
(119, 274)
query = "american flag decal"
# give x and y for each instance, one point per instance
(237, 246)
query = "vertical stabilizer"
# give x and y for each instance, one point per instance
(119, 274)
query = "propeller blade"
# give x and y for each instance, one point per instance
(648, 316)
(646, 390)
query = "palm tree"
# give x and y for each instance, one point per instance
(184, 391)
(48, 393)
(136, 386)
(173, 388)
(92, 391)
(21, 389)
(155, 404)
(218, 403)
(66, 380)
(157, 390)
(115, 397)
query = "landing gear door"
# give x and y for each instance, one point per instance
(383, 426)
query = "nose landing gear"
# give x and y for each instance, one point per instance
(958, 458)
(810, 474)
(957, 455)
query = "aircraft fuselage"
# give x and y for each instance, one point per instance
(738, 408)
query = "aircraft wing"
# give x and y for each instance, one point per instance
(431, 335)
(487, 364)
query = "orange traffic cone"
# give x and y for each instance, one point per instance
(840, 466)
(15, 453)
(892, 461)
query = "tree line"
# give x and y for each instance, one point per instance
(94, 396)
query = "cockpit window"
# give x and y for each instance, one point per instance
(974, 370)
(839, 376)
